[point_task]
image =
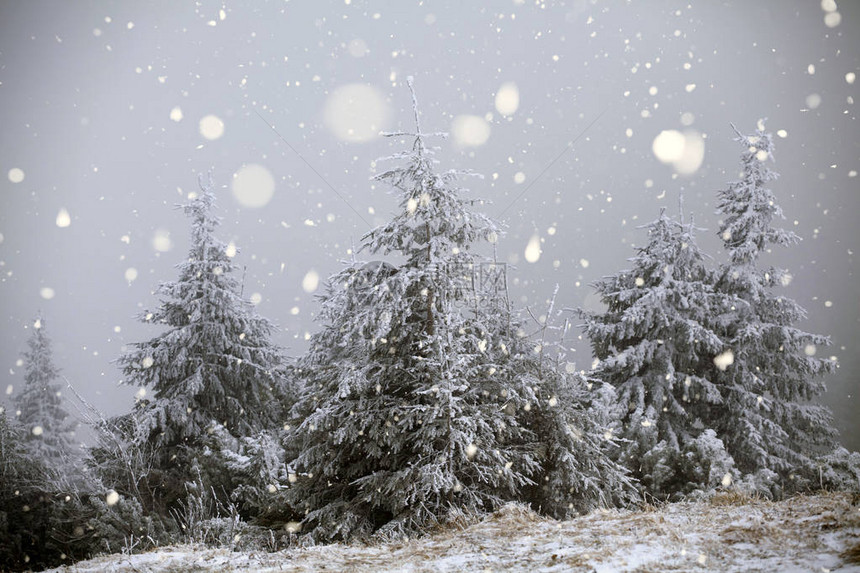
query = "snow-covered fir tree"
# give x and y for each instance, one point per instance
(769, 421)
(398, 431)
(48, 428)
(414, 403)
(215, 363)
(656, 347)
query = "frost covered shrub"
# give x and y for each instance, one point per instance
(50, 516)
(89, 518)
(235, 534)
(763, 483)
(702, 466)
(219, 532)
(658, 471)
(705, 464)
(123, 525)
(205, 517)
(255, 467)
(575, 476)
(130, 467)
(839, 470)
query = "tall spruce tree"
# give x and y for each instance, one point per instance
(215, 363)
(398, 429)
(408, 412)
(769, 421)
(656, 346)
(48, 428)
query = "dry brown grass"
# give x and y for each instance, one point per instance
(517, 513)
(456, 521)
(651, 503)
(852, 554)
(733, 533)
(734, 498)
(753, 534)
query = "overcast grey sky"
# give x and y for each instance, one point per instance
(110, 109)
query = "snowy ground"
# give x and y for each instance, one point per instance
(815, 533)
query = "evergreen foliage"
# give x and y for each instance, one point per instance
(656, 345)
(398, 428)
(256, 468)
(571, 429)
(770, 420)
(422, 398)
(215, 363)
(21, 477)
(49, 516)
(418, 400)
(571, 419)
(130, 467)
(48, 428)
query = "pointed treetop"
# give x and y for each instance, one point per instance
(748, 205)
(206, 185)
(200, 205)
(419, 136)
(759, 145)
(688, 227)
(410, 83)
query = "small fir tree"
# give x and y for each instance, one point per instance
(769, 421)
(656, 347)
(215, 363)
(48, 428)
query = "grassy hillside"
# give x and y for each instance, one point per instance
(729, 533)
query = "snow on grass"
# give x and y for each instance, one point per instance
(729, 533)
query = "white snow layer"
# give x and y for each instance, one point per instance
(730, 533)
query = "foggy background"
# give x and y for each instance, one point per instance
(110, 109)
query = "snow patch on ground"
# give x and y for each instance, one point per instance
(729, 533)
